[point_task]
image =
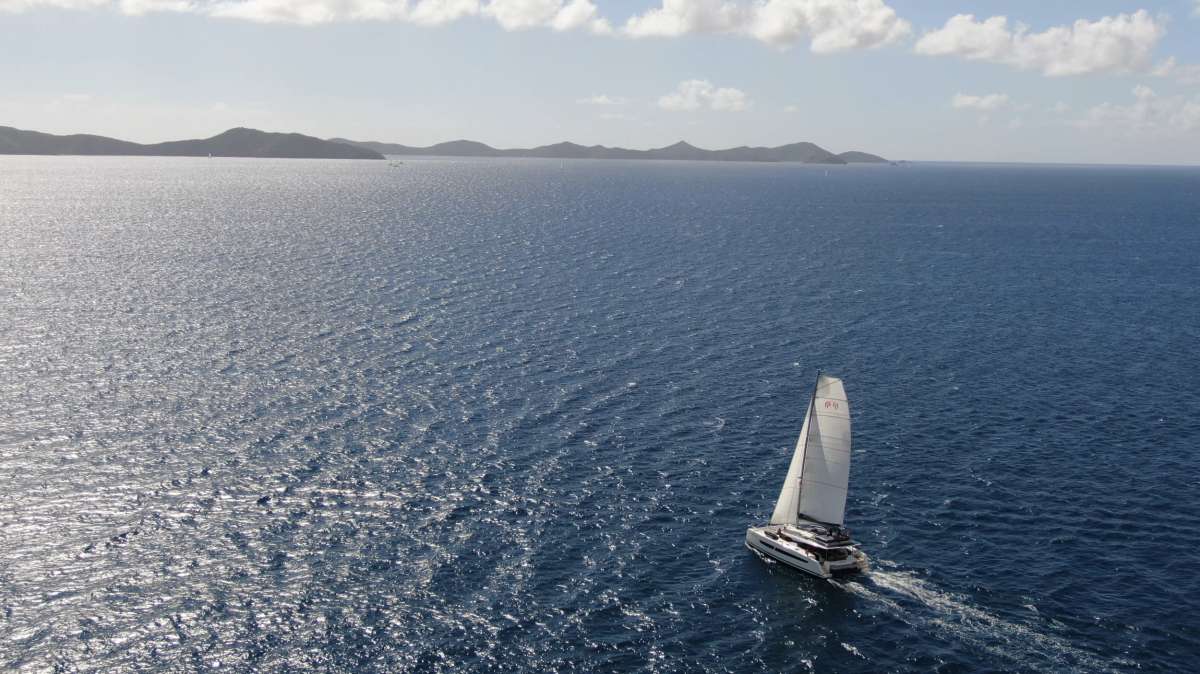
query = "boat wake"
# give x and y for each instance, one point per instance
(920, 604)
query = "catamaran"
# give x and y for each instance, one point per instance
(806, 531)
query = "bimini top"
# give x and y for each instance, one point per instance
(820, 535)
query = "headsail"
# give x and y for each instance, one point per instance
(787, 508)
(815, 486)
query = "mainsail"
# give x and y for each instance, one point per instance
(815, 486)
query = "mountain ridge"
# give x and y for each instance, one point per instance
(246, 142)
(236, 142)
(802, 152)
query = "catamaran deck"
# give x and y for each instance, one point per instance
(818, 535)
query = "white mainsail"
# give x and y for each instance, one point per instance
(815, 486)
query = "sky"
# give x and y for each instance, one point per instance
(1100, 81)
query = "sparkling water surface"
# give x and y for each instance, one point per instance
(503, 415)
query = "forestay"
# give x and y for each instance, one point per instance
(819, 474)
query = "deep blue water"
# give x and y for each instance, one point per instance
(516, 415)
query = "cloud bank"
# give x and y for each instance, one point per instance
(1123, 43)
(1149, 113)
(693, 95)
(985, 103)
(555, 14)
(829, 25)
(17, 6)
(602, 99)
(1112, 44)
(1184, 73)
(560, 15)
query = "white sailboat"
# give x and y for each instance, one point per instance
(805, 531)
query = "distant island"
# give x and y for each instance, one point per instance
(242, 142)
(807, 153)
(238, 142)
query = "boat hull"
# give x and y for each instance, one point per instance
(757, 540)
(789, 553)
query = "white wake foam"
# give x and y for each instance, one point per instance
(918, 602)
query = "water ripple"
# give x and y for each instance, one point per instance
(515, 415)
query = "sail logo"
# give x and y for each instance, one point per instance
(831, 405)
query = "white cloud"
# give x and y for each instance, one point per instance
(1165, 68)
(602, 99)
(696, 94)
(729, 100)
(292, 11)
(1059, 108)
(1121, 43)
(791, 108)
(829, 25)
(1185, 73)
(18, 6)
(985, 103)
(525, 14)
(1148, 114)
(140, 7)
(421, 12)
(560, 15)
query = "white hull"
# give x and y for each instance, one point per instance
(811, 561)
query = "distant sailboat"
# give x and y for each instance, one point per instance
(806, 529)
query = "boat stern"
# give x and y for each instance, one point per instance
(855, 562)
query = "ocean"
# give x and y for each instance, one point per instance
(461, 415)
